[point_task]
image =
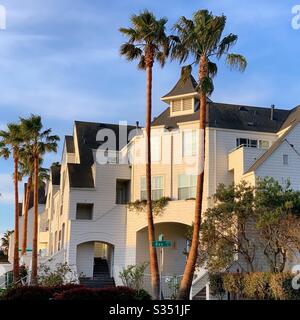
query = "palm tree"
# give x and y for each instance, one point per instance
(41, 142)
(201, 39)
(11, 143)
(147, 42)
(5, 242)
(27, 169)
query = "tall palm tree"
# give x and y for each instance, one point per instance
(11, 143)
(147, 43)
(26, 166)
(41, 142)
(201, 40)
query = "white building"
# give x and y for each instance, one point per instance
(86, 212)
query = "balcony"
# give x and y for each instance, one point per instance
(241, 158)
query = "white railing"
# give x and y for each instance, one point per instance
(169, 285)
(199, 283)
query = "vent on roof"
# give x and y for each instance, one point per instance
(243, 109)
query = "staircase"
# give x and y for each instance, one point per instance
(101, 276)
(201, 295)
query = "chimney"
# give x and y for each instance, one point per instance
(272, 112)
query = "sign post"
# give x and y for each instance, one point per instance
(161, 243)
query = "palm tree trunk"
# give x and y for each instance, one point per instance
(25, 222)
(186, 283)
(151, 232)
(16, 273)
(35, 224)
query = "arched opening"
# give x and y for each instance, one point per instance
(95, 259)
(174, 256)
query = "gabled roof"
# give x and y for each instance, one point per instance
(80, 176)
(181, 87)
(55, 175)
(293, 117)
(69, 140)
(270, 151)
(229, 116)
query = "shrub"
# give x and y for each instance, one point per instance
(234, 283)
(37, 293)
(256, 285)
(105, 294)
(216, 285)
(133, 276)
(142, 295)
(57, 277)
(281, 287)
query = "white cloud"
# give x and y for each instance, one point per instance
(7, 189)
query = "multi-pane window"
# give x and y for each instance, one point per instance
(189, 143)
(285, 159)
(157, 186)
(186, 186)
(252, 143)
(155, 148)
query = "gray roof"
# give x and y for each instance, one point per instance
(294, 116)
(55, 175)
(181, 87)
(80, 175)
(230, 116)
(69, 140)
(267, 154)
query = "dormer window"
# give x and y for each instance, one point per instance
(182, 106)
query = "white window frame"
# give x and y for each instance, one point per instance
(190, 186)
(143, 191)
(192, 145)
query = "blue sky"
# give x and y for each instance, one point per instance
(60, 59)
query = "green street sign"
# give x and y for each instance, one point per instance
(161, 244)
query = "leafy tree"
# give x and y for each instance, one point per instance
(40, 142)
(201, 40)
(11, 143)
(147, 43)
(277, 210)
(224, 231)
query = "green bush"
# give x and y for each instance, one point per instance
(256, 286)
(234, 283)
(216, 285)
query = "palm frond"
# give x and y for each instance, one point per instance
(212, 69)
(226, 44)
(236, 61)
(130, 51)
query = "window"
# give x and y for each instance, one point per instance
(264, 144)
(246, 143)
(186, 186)
(189, 143)
(285, 159)
(157, 185)
(252, 143)
(176, 105)
(63, 236)
(187, 104)
(122, 191)
(84, 211)
(155, 148)
(59, 241)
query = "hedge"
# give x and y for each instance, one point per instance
(73, 292)
(105, 294)
(255, 285)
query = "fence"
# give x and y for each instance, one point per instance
(169, 285)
